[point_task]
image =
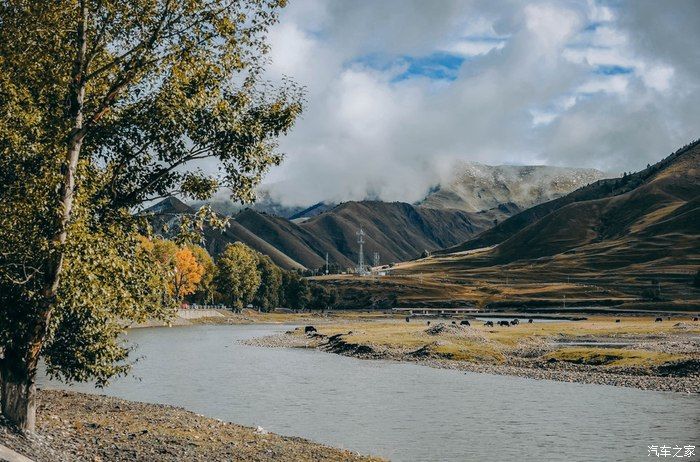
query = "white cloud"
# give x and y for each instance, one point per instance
(470, 48)
(613, 84)
(657, 77)
(577, 83)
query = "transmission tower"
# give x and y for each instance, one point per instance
(326, 262)
(361, 257)
(375, 259)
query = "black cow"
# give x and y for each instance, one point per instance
(503, 323)
(617, 320)
(309, 329)
(658, 320)
(428, 322)
(515, 322)
(454, 322)
(464, 322)
(489, 323)
(530, 321)
(408, 319)
(695, 318)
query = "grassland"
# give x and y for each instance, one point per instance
(637, 351)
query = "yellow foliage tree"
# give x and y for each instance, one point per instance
(187, 273)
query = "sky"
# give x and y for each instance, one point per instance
(398, 91)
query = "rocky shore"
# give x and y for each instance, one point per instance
(77, 427)
(521, 366)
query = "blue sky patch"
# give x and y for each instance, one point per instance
(436, 66)
(613, 70)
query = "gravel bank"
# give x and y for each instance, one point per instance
(521, 367)
(77, 427)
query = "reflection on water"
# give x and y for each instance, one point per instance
(404, 412)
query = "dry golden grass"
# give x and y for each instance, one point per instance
(479, 343)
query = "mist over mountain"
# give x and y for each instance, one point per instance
(651, 217)
(475, 198)
(476, 187)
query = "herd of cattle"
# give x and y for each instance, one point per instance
(465, 322)
(516, 321)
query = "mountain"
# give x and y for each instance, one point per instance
(396, 231)
(170, 206)
(478, 187)
(636, 207)
(312, 211)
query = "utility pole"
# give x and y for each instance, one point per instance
(326, 263)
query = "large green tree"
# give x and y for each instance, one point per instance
(237, 278)
(295, 293)
(105, 105)
(267, 297)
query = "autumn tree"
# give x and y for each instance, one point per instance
(237, 276)
(205, 290)
(105, 105)
(180, 264)
(187, 273)
(268, 294)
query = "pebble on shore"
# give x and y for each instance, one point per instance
(78, 427)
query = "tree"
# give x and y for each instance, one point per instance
(267, 297)
(180, 263)
(237, 276)
(187, 273)
(105, 105)
(323, 298)
(204, 292)
(295, 291)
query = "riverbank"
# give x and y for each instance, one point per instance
(78, 427)
(635, 352)
(194, 317)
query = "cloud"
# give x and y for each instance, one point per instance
(399, 91)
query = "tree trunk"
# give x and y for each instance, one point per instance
(18, 371)
(18, 396)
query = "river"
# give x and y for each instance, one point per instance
(401, 411)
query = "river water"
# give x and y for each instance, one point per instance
(401, 411)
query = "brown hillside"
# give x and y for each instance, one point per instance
(672, 180)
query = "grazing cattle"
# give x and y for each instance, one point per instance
(464, 322)
(428, 323)
(503, 323)
(695, 319)
(309, 329)
(658, 320)
(454, 322)
(530, 321)
(515, 322)
(489, 323)
(408, 319)
(617, 320)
